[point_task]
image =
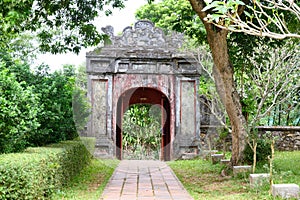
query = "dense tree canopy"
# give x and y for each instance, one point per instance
(59, 26)
(179, 16)
(244, 50)
(174, 15)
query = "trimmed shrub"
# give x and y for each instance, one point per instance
(38, 172)
(89, 143)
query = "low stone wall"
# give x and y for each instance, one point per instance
(287, 137)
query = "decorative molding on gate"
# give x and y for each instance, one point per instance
(143, 35)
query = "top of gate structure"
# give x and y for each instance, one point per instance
(139, 46)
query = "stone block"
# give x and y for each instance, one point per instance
(241, 169)
(216, 158)
(207, 153)
(257, 180)
(285, 190)
(188, 156)
(225, 161)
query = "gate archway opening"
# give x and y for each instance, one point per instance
(145, 95)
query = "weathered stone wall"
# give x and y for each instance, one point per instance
(287, 138)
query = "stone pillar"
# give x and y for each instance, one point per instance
(187, 116)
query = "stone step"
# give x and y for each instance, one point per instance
(257, 180)
(216, 158)
(188, 156)
(225, 161)
(241, 169)
(285, 190)
(207, 153)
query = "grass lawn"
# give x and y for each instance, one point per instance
(90, 183)
(203, 180)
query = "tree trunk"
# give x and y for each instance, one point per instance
(223, 75)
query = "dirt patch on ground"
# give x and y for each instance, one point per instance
(97, 181)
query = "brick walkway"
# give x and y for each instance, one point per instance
(143, 179)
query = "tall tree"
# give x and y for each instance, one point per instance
(223, 69)
(223, 76)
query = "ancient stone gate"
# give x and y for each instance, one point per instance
(143, 66)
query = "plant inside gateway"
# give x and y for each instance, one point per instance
(142, 132)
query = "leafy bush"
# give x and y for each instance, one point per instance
(18, 112)
(56, 116)
(141, 132)
(36, 106)
(38, 172)
(263, 150)
(89, 143)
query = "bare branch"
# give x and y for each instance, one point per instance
(267, 13)
(276, 80)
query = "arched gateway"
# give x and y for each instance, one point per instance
(143, 66)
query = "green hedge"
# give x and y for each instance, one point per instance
(38, 172)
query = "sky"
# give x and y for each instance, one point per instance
(119, 20)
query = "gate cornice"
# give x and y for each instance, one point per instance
(143, 48)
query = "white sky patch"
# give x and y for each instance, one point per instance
(119, 20)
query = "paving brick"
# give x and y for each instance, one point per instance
(152, 180)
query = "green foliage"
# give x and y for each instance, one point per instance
(271, 89)
(263, 150)
(142, 131)
(36, 106)
(261, 18)
(90, 182)
(59, 26)
(55, 92)
(243, 49)
(89, 143)
(174, 15)
(18, 112)
(207, 87)
(219, 9)
(38, 172)
(56, 118)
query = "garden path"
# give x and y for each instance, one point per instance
(144, 179)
